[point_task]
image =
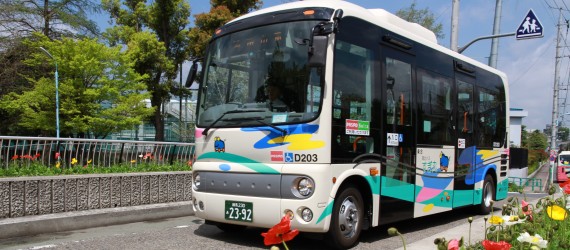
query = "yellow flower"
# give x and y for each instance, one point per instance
(57, 164)
(133, 161)
(556, 212)
(73, 161)
(89, 161)
(497, 220)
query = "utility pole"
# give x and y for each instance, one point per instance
(454, 24)
(554, 125)
(496, 30)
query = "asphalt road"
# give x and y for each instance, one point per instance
(191, 233)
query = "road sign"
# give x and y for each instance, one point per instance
(530, 27)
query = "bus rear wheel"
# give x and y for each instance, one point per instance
(346, 219)
(488, 194)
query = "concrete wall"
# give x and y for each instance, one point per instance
(24, 196)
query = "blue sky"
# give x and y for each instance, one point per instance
(529, 64)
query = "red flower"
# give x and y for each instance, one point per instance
(15, 157)
(29, 157)
(453, 245)
(57, 155)
(491, 245)
(280, 233)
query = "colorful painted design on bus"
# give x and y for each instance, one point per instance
(238, 159)
(434, 184)
(298, 137)
(476, 160)
(219, 145)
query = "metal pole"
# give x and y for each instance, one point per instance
(554, 125)
(56, 93)
(454, 24)
(180, 108)
(496, 31)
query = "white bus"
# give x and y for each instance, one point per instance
(343, 119)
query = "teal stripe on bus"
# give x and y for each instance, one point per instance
(249, 163)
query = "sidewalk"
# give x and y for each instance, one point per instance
(68, 221)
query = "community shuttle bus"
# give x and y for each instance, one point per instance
(372, 122)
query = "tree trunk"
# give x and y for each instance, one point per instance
(46, 18)
(158, 122)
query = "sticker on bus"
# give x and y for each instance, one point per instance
(393, 139)
(357, 127)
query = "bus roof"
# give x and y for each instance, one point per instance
(381, 18)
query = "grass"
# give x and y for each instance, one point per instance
(36, 169)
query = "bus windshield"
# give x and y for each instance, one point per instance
(260, 76)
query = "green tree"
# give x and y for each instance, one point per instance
(423, 17)
(19, 19)
(537, 141)
(155, 34)
(99, 91)
(55, 18)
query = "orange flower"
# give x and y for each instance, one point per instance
(491, 245)
(15, 157)
(280, 233)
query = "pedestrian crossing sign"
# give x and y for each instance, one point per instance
(530, 27)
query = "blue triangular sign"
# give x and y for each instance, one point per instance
(530, 27)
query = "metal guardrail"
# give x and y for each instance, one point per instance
(526, 182)
(49, 151)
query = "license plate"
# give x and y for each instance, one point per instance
(239, 211)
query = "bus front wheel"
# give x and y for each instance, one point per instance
(488, 194)
(346, 219)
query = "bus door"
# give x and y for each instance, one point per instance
(435, 152)
(466, 150)
(398, 177)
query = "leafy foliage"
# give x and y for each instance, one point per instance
(41, 170)
(423, 17)
(98, 89)
(222, 11)
(55, 18)
(155, 34)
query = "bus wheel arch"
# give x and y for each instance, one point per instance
(350, 213)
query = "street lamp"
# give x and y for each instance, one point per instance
(56, 94)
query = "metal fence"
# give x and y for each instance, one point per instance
(24, 151)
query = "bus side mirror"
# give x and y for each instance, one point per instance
(318, 51)
(192, 73)
(318, 43)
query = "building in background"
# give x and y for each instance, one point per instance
(515, 126)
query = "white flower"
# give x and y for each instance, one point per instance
(535, 240)
(512, 220)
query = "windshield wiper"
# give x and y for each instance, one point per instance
(205, 132)
(260, 120)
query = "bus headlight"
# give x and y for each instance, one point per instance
(196, 181)
(307, 214)
(305, 187)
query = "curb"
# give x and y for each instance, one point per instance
(68, 221)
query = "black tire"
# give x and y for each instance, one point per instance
(230, 228)
(488, 195)
(346, 219)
